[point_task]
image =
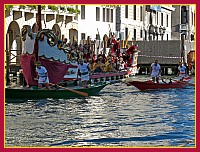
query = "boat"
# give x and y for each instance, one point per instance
(16, 93)
(57, 64)
(44, 46)
(149, 85)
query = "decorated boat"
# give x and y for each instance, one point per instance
(45, 47)
(57, 65)
(149, 85)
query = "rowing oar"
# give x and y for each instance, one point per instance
(75, 91)
(183, 82)
(190, 84)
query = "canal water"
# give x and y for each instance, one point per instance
(120, 116)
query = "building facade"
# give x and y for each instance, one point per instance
(96, 21)
(183, 29)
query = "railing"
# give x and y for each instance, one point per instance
(13, 57)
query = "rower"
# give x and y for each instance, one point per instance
(155, 71)
(83, 72)
(42, 75)
(182, 71)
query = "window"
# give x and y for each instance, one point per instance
(107, 15)
(126, 33)
(82, 11)
(111, 15)
(141, 14)
(161, 19)
(145, 35)
(135, 34)
(97, 14)
(157, 17)
(141, 32)
(167, 20)
(184, 15)
(126, 11)
(192, 18)
(134, 12)
(104, 14)
(150, 18)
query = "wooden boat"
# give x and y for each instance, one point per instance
(149, 85)
(62, 93)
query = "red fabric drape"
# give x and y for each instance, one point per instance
(56, 70)
(28, 65)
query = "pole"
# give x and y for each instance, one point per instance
(39, 28)
(183, 48)
(39, 19)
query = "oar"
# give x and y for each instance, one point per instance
(190, 84)
(183, 82)
(75, 91)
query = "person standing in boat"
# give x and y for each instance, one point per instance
(83, 72)
(155, 71)
(42, 75)
(182, 71)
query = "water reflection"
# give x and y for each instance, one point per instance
(119, 116)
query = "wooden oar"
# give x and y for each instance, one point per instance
(184, 82)
(75, 91)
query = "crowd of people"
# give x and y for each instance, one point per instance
(111, 61)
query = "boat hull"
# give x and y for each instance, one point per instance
(149, 85)
(21, 93)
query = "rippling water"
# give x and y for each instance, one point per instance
(119, 116)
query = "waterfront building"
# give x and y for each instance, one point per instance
(96, 21)
(183, 29)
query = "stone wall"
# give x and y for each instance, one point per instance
(166, 52)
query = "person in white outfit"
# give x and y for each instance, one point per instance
(182, 71)
(83, 72)
(42, 75)
(155, 71)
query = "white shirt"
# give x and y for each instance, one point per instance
(83, 68)
(182, 69)
(42, 73)
(84, 72)
(155, 70)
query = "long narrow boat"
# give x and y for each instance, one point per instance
(34, 93)
(149, 85)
